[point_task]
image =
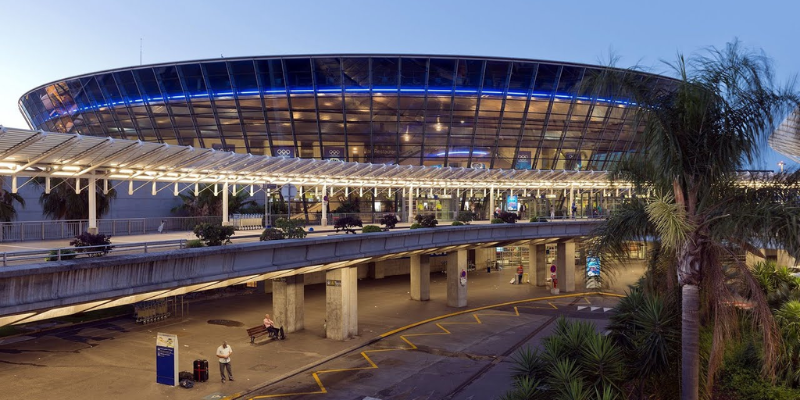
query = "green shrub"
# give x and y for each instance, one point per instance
(508, 217)
(101, 242)
(466, 216)
(497, 221)
(415, 226)
(193, 244)
(371, 229)
(292, 228)
(347, 224)
(457, 223)
(426, 220)
(390, 220)
(213, 234)
(271, 234)
(65, 255)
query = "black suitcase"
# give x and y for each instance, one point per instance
(200, 368)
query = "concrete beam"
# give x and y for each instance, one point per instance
(456, 290)
(420, 277)
(288, 302)
(59, 284)
(341, 303)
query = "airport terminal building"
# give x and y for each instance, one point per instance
(449, 111)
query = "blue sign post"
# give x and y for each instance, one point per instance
(167, 359)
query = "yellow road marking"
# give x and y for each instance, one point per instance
(412, 346)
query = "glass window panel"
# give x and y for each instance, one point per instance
(546, 79)
(298, 73)
(413, 72)
(327, 73)
(193, 79)
(169, 79)
(384, 72)
(521, 76)
(441, 74)
(244, 77)
(218, 78)
(570, 80)
(495, 76)
(271, 74)
(148, 81)
(468, 74)
(356, 72)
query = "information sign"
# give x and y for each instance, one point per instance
(511, 203)
(167, 359)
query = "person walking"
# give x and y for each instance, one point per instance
(224, 355)
(574, 210)
(520, 271)
(161, 227)
(552, 212)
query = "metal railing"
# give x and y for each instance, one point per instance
(53, 230)
(69, 253)
(247, 221)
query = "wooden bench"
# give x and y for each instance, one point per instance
(255, 332)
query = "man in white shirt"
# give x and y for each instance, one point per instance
(224, 356)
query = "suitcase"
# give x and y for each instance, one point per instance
(200, 368)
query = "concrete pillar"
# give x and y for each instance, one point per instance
(565, 266)
(375, 270)
(225, 204)
(571, 200)
(410, 204)
(288, 302)
(420, 277)
(537, 266)
(456, 292)
(92, 192)
(324, 220)
(341, 303)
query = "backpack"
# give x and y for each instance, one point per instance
(185, 375)
(187, 383)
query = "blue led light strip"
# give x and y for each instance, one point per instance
(338, 90)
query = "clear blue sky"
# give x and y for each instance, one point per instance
(49, 40)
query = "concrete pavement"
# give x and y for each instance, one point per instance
(116, 358)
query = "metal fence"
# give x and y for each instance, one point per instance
(69, 253)
(52, 230)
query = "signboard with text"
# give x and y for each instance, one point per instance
(512, 203)
(167, 359)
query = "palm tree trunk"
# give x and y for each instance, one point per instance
(690, 343)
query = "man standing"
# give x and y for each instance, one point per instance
(224, 355)
(520, 271)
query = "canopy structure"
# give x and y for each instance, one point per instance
(39, 154)
(47, 154)
(785, 138)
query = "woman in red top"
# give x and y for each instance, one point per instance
(520, 271)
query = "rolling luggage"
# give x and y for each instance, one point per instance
(200, 370)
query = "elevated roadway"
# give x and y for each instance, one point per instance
(48, 289)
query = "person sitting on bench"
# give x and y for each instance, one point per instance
(273, 331)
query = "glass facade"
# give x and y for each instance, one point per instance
(410, 110)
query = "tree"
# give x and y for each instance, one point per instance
(63, 203)
(7, 199)
(698, 132)
(213, 234)
(291, 228)
(206, 203)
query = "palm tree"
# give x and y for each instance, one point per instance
(7, 199)
(63, 203)
(697, 135)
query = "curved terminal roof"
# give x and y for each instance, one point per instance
(449, 111)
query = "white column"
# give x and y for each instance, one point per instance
(420, 277)
(537, 268)
(225, 204)
(324, 220)
(491, 203)
(92, 204)
(341, 303)
(571, 200)
(410, 204)
(565, 266)
(456, 291)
